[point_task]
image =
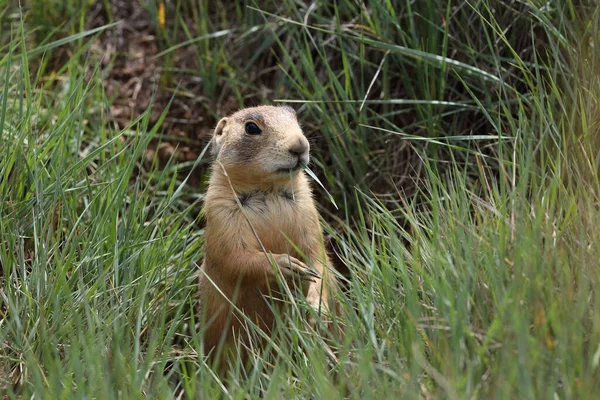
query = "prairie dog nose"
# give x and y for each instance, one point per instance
(299, 146)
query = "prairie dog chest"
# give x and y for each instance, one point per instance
(279, 216)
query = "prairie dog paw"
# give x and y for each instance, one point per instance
(292, 268)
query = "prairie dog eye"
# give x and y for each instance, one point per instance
(252, 129)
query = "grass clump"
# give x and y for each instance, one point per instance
(458, 141)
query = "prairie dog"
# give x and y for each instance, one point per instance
(261, 221)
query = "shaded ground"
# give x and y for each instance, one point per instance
(133, 74)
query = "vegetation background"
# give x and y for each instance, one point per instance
(457, 142)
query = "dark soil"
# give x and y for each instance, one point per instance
(133, 83)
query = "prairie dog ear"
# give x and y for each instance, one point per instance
(217, 139)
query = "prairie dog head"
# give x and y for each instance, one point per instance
(264, 143)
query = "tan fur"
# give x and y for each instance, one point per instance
(273, 207)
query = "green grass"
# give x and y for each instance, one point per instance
(458, 141)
